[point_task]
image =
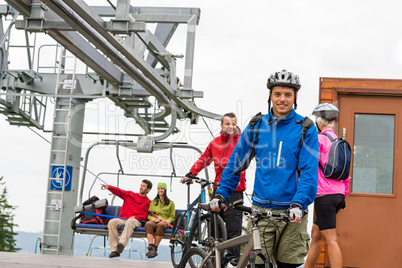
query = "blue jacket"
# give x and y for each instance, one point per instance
(286, 173)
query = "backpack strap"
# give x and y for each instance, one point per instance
(253, 122)
(332, 140)
(257, 119)
(307, 123)
(329, 136)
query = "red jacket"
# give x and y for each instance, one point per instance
(219, 151)
(134, 204)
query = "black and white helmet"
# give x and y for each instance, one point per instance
(284, 78)
(326, 111)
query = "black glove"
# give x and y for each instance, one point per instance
(188, 180)
(295, 211)
(218, 201)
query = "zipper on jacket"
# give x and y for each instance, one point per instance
(279, 154)
(223, 155)
(224, 150)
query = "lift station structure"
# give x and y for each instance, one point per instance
(126, 62)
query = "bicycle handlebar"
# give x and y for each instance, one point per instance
(261, 214)
(242, 208)
(255, 213)
(204, 206)
(199, 180)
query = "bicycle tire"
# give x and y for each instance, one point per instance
(193, 258)
(178, 243)
(204, 221)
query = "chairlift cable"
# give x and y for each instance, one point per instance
(203, 119)
(111, 4)
(93, 174)
(248, 196)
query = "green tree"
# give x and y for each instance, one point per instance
(7, 234)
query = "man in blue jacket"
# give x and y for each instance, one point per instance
(286, 173)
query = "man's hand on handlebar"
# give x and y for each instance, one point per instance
(186, 179)
(295, 212)
(218, 203)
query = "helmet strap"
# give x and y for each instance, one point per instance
(269, 103)
(319, 130)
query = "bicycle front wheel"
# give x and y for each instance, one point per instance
(178, 241)
(193, 259)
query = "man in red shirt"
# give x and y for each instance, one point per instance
(219, 151)
(133, 210)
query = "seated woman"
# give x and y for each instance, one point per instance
(155, 227)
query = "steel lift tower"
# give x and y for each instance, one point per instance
(129, 65)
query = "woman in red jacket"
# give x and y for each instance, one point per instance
(219, 151)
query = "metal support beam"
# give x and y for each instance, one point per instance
(148, 40)
(23, 6)
(45, 83)
(163, 33)
(121, 22)
(80, 47)
(109, 44)
(102, 40)
(36, 18)
(154, 14)
(188, 70)
(57, 238)
(89, 55)
(60, 25)
(114, 48)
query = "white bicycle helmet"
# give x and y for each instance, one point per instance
(284, 78)
(326, 111)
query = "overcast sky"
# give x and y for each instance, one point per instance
(238, 45)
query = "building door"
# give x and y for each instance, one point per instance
(369, 229)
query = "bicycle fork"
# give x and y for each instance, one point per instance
(257, 249)
(253, 247)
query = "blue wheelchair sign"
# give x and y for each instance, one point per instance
(57, 174)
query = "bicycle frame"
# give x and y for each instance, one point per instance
(253, 241)
(195, 217)
(201, 198)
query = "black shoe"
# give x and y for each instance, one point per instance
(120, 247)
(114, 254)
(151, 255)
(151, 252)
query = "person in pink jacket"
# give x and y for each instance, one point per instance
(331, 193)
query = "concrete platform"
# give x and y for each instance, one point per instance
(9, 259)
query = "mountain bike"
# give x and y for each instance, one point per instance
(198, 226)
(197, 257)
